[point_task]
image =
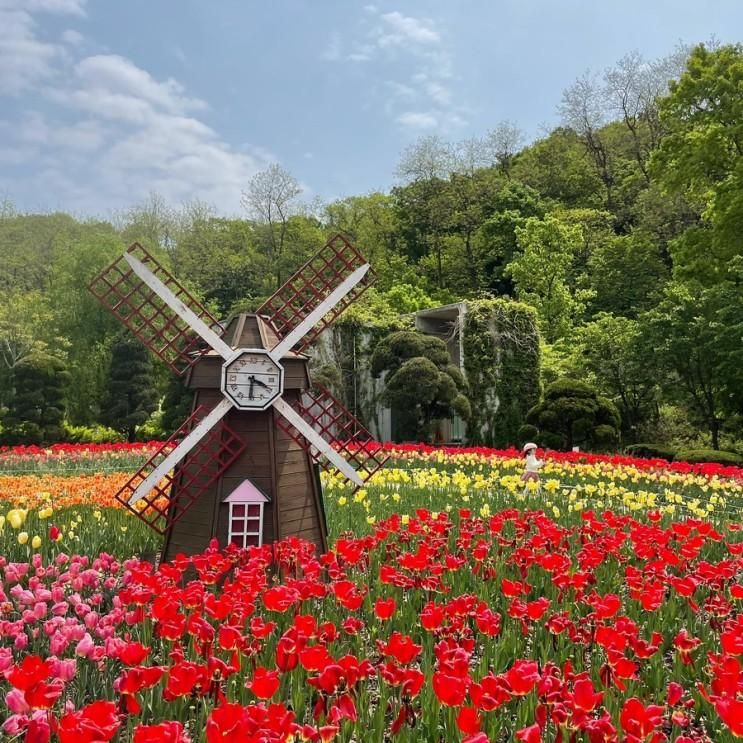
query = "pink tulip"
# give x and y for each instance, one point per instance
(85, 647)
(21, 641)
(16, 701)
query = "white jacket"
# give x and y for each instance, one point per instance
(532, 463)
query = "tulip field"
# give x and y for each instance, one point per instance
(603, 604)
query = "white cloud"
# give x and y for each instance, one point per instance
(72, 37)
(417, 65)
(111, 132)
(26, 59)
(332, 51)
(418, 120)
(401, 29)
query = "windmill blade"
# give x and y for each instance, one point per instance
(192, 459)
(202, 428)
(179, 307)
(317, 441)
(322, 309)
(135, 303)
(339, 431)
(311, 285)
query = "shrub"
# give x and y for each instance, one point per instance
(651, 451)
(572, 414)
(527, 432)
(94, 434)
(700, 456)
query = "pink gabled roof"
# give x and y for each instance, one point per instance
(246, 492)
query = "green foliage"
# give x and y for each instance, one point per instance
(701, 157)
(36, 407)
(540, 273)
(650, 451)
(130, 396)
(699, 456)
(94, 434)
(694, 334)
(502, 360)
(612, 353)
(572, 414)
(176, 405)
(421, 384)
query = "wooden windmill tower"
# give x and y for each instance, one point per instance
(242, 467)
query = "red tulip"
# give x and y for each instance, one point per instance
(385, 608)
(468, 720)
(585, 698)
(265, 683)
(164, 732)
(450, 690)
(639, 720)
(95, 723)
(532, 734)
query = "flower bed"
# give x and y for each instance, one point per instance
(512, 627)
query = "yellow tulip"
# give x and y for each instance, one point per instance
(17, 517)
(36, 542)
(23, 537)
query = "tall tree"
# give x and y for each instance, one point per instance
(583, 109)
(541, 272)
(130, 396)
(614, 354)
(271, 199)
(701, 157)
(36, 408)
(695, 335)
(504, 142)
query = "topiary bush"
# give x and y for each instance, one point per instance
(421, 383)
(700, 456)
(651, 451)
(573, 414)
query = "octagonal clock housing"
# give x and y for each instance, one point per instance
(251, 379)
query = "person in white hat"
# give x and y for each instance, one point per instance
(533, 465)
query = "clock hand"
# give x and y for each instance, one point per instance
(250, 389)
(262, 384)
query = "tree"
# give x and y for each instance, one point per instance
(36, 408)
(558, 168)
(504, 143)
(612, 352)
(271, 201)
(695, 334)
(421, 383)
(372, 223)
(701, 157)
(625, 274)
(583, 109)
(540, 273)
(130, 396)
(511, 207)
(573, 414)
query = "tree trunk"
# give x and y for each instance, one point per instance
(714, 429)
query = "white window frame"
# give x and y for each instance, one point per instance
(245, 534)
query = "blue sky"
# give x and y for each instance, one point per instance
(105, 101)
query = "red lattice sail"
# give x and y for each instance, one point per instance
(340, 428)
(190, 478)
(148, 317)
(311, 284)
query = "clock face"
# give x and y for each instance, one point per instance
(252, 380)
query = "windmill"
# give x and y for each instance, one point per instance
(242, 468)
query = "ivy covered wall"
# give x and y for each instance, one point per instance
(502, 364)
(340, 361)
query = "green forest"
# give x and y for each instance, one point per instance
(622, 228)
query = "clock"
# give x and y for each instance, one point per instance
(251, 379)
